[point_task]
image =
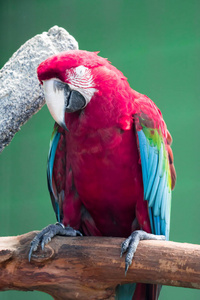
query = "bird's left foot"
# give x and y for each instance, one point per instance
(131, 243)
(45, 236)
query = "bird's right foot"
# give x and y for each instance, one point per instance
(46, 234)
(131, 243)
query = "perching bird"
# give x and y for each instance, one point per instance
(110, 166)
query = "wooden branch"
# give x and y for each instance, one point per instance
(21, 95)
(91, 267)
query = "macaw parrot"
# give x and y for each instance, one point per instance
(110, 165)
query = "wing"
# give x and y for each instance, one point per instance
(157, 164)
(56, 170)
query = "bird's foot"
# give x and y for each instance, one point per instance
(131, 243)
(46, 234)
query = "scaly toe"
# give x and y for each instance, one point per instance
(45, 236)
(131, 243)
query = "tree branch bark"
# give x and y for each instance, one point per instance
(21, 95)
(91, 267)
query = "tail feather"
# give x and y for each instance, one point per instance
(146, 292)
(125, 291)
(139, 291)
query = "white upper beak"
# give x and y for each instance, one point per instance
(55, 100)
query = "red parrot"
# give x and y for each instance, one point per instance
(110, 165)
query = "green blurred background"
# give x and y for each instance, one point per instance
(156, 45)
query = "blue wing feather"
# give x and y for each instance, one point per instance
(51, 157)
(157, 177)
(151, 219)
(159, 195)
(157, 224)
(155, 172)
(144, 157)
(151, 177)
(150, 160)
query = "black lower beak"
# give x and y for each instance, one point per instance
(75, 101)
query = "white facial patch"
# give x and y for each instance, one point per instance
(80, 79)
(55, 100)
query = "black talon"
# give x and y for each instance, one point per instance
(46, 234)
(131, 243)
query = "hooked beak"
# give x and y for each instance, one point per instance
(60, 99)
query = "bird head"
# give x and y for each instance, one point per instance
(70, 79)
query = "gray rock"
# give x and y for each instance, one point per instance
(21, 95)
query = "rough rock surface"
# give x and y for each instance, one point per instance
(21, 95)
